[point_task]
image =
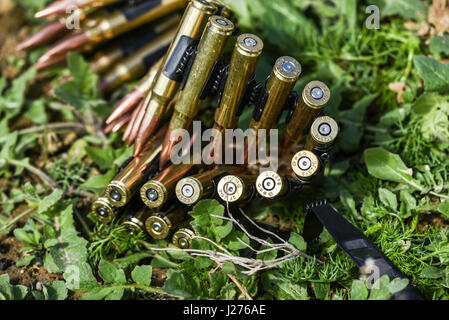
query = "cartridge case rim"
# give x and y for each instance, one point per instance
(309, 100)
(217, 27)
(306, 172)
(197, 191)
(320, 139)
(165, 227)
(103, 202)
(228, 182)
(246, 50)
(122, 189)
(277, 188)
(135, 224)
(185, 233)
(161, 192)
(203, 5)
(281, 69)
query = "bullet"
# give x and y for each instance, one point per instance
(160, 224)
(135, 221)
(183, 238)
(105, 59)
(119, 124)
(192, 189)
(157, 191)
(48, 62)
(116, 23)
(48, 33)
(59, 8)
(123, 186)
(133, 98)
(305, 164)
(278, 87)
(232, 188)
(314, 98)
(270, 184)
(323, 133)
(209, 51)
(244, 59)
(140, 115)
(136, 65)
(103, 210)
(170, 74)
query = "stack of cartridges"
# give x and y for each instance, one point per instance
(152, 192)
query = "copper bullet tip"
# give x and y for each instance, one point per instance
(55, 9)
(49, 61)
(48, 33)
(69, 43)
(126, 104)
(146, 129)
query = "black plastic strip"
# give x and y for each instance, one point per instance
(134, 12)
(320, 214)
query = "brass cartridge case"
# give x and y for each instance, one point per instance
(117, 23)
(161, 224)
(244, 59)
(190, 190)
(232, 188)
(167, 82)
(314, 98)
(120, 190)
(183, 238)
(104, 60)
(103, 210)
(305, 164)
(210, 49)
(323, 133)
(270, 184)
(135, 65)
(135, 221)
(278, 86)
(157, 191)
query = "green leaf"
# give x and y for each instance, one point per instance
(25, 261)
(352, 131)
(388, 198)
(50, 200)
(71, 248)
(298, 241)
(380, 290)
(56, 290)
(142, 275)
(222, 231)
(433, 112)
(434, 73)
(98, 293)
(385, 165)
(98, 183)
(431, 272)
(79, 277)
(12, 101)
(178, 284)
(110, 273)
(408, 9)
(36, 112)
(282, 288)
(397, 284)
(439, 44)
(443, 208)
(104, 158)
(359, 291)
